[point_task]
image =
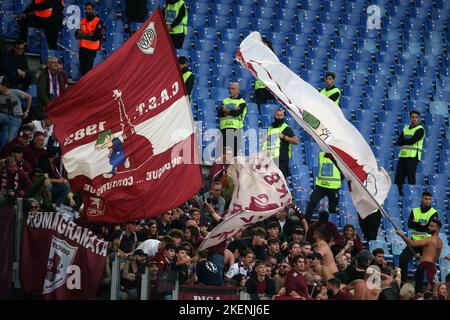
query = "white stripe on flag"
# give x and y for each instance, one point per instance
(331, 130)
(164, 130)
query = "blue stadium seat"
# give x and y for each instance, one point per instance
(285, 14)
(289, 4)
(218, 22)
(241, 23)
(221, 9)
(224, 58)
(262, 25)
(283, 26)
(231, 35)
(219, 93)
(244, 11)
(207, 33)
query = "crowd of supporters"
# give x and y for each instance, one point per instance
(284, 256)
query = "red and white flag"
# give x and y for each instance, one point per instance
(323, 120)
(127, 133)
(260, 192)
(59, 259)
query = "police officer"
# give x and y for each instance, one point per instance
(231, 119)
(411, 142)
(176, 15)
(418, 222)
(89, 35)
(279, 140)
(188, 76)
(44, 14)
(328, 184)
(331, 91)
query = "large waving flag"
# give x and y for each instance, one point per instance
(260, 191)
(127, 133)
(324, 121)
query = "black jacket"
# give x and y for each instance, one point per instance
(252, 288)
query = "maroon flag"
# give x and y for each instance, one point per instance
(127, 133)
(59, 259)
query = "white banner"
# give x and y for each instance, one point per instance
(260, 191)
(324, 121)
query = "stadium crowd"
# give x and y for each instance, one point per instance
(295, 254)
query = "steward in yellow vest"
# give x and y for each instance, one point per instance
(231, 118)
(418, 222)
(90, 35)
(188, 76)
(176, 15)
(331, 91)
(411, 142)
(328, 183)
(278, 142)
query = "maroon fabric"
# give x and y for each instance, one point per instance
(52, 250)
(296, 282)
(130, 87)
(342, 295)
(32, 154)
(430, 270)
(23, 180)
(202, 292)
(7, 250)
(357, 244)
(261, 286)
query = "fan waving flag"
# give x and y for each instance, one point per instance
(260, 191)
(126, 131)
(324, 121)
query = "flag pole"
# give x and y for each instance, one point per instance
(335, 155)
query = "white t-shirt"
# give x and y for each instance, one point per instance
(150, 247)
(38, 127)
(238, 268)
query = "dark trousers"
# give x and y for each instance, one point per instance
(405, 257)
(370, 225)
(284, 168)
(406, 167)
(136, 10)
(51, 27)
(262, 96)
(87, 58)
(425, 273)
(177, 40)
(230, 138)
(318, 194)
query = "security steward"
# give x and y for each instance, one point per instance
(188, 76)
(90, 36)
(231, 119)
(176, 15)
(418, 222)
(328, 183)
(43, 14)
(279, 140)
(411, 142)
(331, 91)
